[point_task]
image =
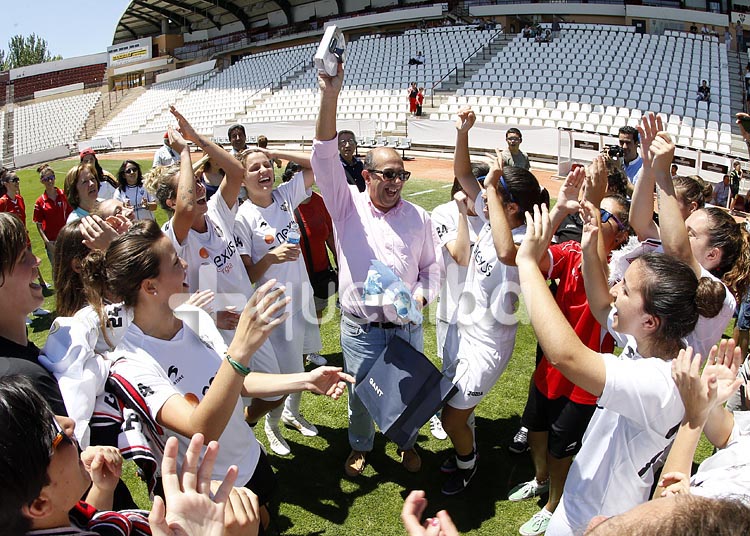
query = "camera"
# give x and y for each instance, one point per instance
(330, 51)
(614, 151)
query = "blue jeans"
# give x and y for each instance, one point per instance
(362, 344)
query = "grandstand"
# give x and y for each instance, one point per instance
(593, 77)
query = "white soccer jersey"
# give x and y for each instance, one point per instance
(261, 229)
(186, 365)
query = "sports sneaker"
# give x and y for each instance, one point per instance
(520, 441)
(449, 465)
(298, 422)
(458, 481)
(355, 463)
(537, 524)
(315, 359)
(275, 440)
(528, 490)
(436, 428)
(40, 312)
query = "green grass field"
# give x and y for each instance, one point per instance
(314, 495)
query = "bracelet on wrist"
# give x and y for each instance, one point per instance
(241, 369)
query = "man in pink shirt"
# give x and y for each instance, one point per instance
(374, 224)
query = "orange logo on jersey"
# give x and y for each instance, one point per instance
(268, 238)
(203, 253)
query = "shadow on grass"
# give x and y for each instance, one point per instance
(331, 495)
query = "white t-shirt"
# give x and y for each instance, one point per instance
(727, 473)
(185, 366)
(213, 259)
(106, 190)
(135, 196)
(635, 422)
(259, 230)
(445, 219)
(487, 305)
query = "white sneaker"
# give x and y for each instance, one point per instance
(436, 428)
(298, 422)
(275, 440)
(316, 359)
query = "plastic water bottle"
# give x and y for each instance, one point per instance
(293, 236)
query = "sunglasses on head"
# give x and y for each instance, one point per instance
(12, 179)
(606, 216)
(390, 175)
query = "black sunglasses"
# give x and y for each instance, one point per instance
(131, 170)
(60, 437)
(390, 174)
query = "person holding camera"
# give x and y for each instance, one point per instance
(631, 160)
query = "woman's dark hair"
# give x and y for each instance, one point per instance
(522, 189)
(25, 446)
(3, 172)
(734, 242)
(623, 214)
(71, 181)
(69, 290)
(289, 171)
(691, 190)
(617, 180)
(122, 181)
(12, 243)
(672, 293)
(117, 274)
(478, 169)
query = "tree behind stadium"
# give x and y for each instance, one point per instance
(23, 51)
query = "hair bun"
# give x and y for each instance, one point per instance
(709, 297)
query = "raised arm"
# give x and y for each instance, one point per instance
(561, 345)
(642, 200)
(461, 158)
(185, 204)
(674, 234)
(234, 172)
(330, 87)
(460, 248)
(594, 272)
(703, 395)
(502, 234)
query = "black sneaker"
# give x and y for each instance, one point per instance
(449, 466)
(520, 441)
(458, 481)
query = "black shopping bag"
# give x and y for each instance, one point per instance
(402, 390)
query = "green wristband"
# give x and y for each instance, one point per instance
(236, 365)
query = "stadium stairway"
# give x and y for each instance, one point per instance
(111, 104)
(479, 60)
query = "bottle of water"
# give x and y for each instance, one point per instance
(293, 236)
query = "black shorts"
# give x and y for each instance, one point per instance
(263, 482)
(565, 421)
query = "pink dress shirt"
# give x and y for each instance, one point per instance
(402, 238)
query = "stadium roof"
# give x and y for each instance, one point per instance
(143, 18)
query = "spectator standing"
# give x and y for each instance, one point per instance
(132, 192)
(107, 182)
(364, 224)
(353, 166)
(51, 210)
(420, 101)
(513, 156)
(412, 93)
(632, 162)
(263, 144)
(209, 174)
(11, 201)
(166, 155)
(238, 140)
(735, 178)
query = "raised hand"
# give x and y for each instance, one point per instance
(104, 464)
(190, 510)
(567, 198)
(330, 86)
(97, 233)
(591, 218)
(596, 181)
(462, 201)
(465, 120)
(537, 238)
(261, 315)
(176, 141)
(184, 128)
